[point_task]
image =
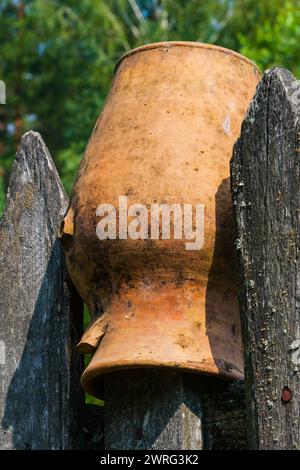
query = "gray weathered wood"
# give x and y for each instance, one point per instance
(41, 404)
(152, 409)
(169, 410)
(225, 424)
(94, 427)
(266, 195)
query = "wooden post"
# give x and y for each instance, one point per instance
(266, 196)
(169, 410)
(41, 404)
(153, 409)
(224, 424)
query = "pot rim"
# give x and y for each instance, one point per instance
(170, 44)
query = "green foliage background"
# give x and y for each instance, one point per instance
(57, 58)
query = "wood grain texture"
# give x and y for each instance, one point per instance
(265, 171)
(224, 407)
(152, 409)
(41, 403)
(94, 427)
(169, 410)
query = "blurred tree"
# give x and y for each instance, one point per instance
(275, 38)
(57, 57)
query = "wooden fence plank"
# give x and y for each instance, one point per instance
(152, 409)
(169, 410)
(266, 196)
(224, 407)
(41, 403)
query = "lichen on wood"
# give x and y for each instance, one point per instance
(265, 172)
(41, 404)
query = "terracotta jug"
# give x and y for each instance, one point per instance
(165, 136)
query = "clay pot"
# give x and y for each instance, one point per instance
(165, 136)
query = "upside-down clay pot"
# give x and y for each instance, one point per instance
(165, 136)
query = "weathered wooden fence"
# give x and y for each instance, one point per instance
(266, 197)
(41, 403)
